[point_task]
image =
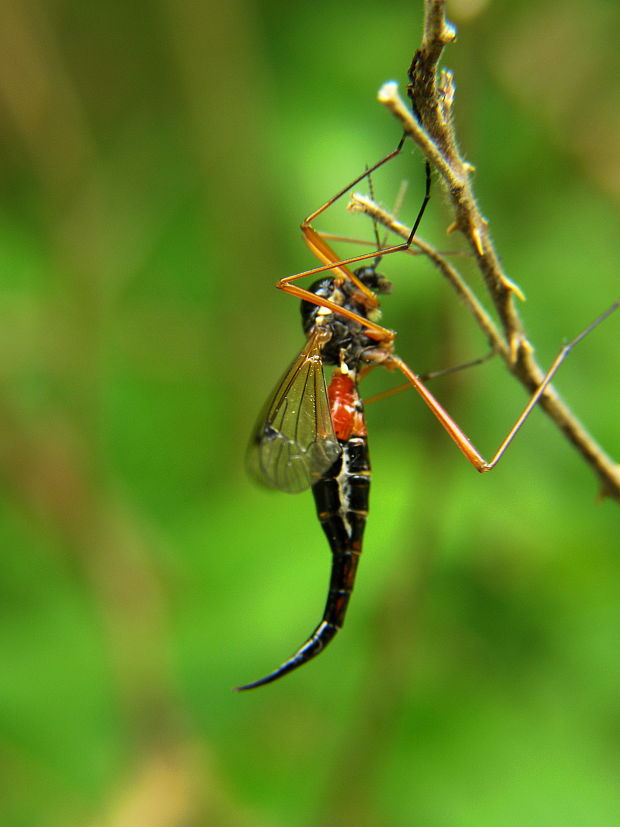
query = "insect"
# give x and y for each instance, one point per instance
(317, 436)
(311, 435)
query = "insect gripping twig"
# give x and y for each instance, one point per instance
(432, 93)
(310, 435)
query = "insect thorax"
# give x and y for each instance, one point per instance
(348, 341)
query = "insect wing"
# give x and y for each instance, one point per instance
(294, 442)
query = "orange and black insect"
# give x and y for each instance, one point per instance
(311, 435)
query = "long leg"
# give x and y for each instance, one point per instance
(339, 267)
(424, 377)
(325, 253)
(455, 432)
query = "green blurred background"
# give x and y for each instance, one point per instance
(157, 158)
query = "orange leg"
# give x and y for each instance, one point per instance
(454, 431)
(339, 267)
(423, 377)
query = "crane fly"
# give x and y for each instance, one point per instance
(311, 435)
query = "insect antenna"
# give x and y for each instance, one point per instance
(400, 197)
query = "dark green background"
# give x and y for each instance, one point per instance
(157, 158)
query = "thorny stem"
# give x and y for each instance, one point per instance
(432, 96)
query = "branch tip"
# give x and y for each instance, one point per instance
(388, 92)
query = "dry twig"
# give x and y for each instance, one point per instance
(432, 129)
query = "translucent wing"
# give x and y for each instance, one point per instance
(294, 441)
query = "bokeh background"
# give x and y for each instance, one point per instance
(157, 158)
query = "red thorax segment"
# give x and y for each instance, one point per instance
(345, 406)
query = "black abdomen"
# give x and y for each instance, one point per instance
(341, 498)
